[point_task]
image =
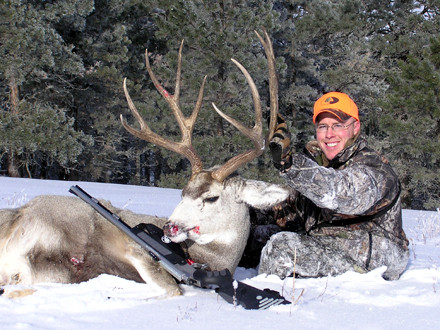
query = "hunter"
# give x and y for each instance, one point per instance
(346, 200)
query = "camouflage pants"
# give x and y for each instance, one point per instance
(318, 256)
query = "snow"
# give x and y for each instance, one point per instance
(348, 301)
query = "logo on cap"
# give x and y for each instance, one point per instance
(331, 100)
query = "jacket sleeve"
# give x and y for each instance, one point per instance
(354, 190)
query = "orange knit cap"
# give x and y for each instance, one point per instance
(335, 101)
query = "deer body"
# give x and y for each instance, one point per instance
(62, 239)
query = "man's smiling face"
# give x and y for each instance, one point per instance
(333, 141)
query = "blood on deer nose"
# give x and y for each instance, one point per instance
(196, 230)
(170, 229)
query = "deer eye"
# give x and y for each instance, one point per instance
(210, 199)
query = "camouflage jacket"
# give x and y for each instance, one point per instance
(357, 189)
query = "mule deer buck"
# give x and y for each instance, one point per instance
(62, 239)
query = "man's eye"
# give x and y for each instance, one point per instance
(211, 199)
(337, 126)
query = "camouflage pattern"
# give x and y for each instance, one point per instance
(348, 216)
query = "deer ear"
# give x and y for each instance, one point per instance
(262, 195)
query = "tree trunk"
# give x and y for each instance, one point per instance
(12, 165)
(12, 155)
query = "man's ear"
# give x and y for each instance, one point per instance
(357, 127)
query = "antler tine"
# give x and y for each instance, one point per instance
(186, 124)
(273, 82)
(256, 133)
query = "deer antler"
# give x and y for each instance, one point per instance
(273, 83)
(186, 124)
(256, 133)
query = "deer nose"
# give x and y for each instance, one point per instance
(170, 229)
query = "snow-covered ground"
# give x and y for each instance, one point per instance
(349, 301)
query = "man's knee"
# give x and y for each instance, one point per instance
(277, 256)
(307, 256)
(388, 253)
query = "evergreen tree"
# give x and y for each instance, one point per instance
(408, 110)
(111, 47)
(35, 74)
(412, 120)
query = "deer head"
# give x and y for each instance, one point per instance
(214, 208)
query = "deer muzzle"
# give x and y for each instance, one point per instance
(178, 234)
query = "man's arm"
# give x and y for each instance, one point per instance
(353, 190)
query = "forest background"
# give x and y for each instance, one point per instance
(63, 63)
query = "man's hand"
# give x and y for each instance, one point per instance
(280, 146)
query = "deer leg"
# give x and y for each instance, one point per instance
(16, 293)
(153, 274)
(21, 274)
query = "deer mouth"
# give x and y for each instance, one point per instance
(178, 234)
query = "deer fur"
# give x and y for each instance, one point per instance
(62, 239)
